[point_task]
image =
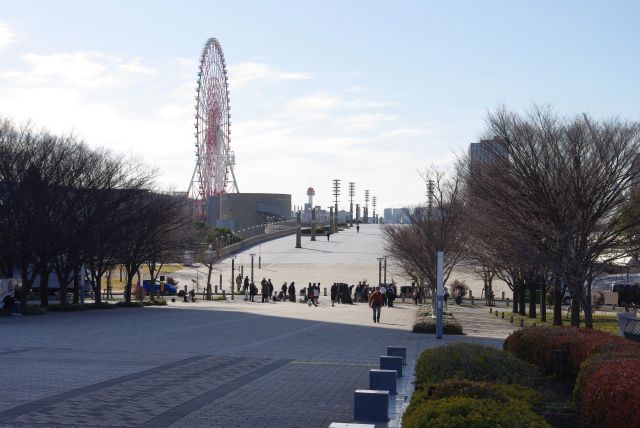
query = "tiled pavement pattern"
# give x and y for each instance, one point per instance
(213, 364)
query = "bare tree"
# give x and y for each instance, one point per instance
(434, 228)
(561, 185)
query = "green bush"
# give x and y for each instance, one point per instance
(70, 307)
(130, 305)
(102, 305)
(159, 301)
(466, 412)
(32, 310)
(472, 362)
(425, 323)
(482, 390)
(219, 297)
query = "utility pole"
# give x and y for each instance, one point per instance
(380, 271)
(430, 187)
(373, 203)
(336, 193)
(352, 192)
(365, 216)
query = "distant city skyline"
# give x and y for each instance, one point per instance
(361, 91)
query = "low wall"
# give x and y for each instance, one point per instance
(254, 240)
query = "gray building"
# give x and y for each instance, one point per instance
(486, 151)
(239, 211)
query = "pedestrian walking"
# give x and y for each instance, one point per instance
(328, 234)
(292, 291)
(246, 288)
(316, 295)
(334, 293)
(358, 228)
(253, 290)
(270, 289)
(383, 292)
(284, 291)
(375, 303)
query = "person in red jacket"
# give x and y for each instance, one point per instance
(375, 303)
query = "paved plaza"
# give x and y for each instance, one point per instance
(207, 364)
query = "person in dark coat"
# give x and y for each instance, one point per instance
(253, 290)
(292, 291)
(270, 289)
(284, 291)
(334, 293)
(264, 290)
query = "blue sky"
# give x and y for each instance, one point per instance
(364, 91)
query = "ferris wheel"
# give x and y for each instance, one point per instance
(214, 158)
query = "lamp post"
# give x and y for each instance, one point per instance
(252, 256)
(385, 270)
(380, 270)
(233, 277)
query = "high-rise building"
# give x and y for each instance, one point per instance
(486, 151)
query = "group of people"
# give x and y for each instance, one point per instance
(288, 292)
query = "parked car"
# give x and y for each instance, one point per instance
(159, 288)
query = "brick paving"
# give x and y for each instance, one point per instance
(213, 364)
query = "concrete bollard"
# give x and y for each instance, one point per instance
(502, 315)
(502, 296)
(383, 380)
(507, 301)
(391, 363)
(325, 291)
(371, 405)
(496, 314)
(472, 301)
(490, 310)
(398, 351)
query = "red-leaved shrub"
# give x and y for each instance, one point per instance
(609, 396)
(536, 345)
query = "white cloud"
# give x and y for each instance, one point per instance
(7, 35)
(242, 74)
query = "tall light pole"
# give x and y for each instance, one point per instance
(233, 276)
(336, 193)
(373, 203)
(365, 216)
(385, 270)
(380, 270)
(352, 192)
(252, 256)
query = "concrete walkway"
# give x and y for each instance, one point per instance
(213, 364)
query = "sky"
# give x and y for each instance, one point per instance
(370, 92)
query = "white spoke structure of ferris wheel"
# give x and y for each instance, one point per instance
(214, 158)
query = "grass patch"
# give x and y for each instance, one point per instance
(218, 298)
(604, 322)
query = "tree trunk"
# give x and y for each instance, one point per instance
(522, 309)
(127, 288)
(25, 289)
(44, 287)
(588, 311)
(209, 294)
(76, 286)
(543, 303)
(575, 311)
(557, 301)
(97, 289)
(515, 299)
(532, 300)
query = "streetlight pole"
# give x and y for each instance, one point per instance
(380, 271)
(233, 276)
(385, 270)
(252, 256)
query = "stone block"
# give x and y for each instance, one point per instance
(391, 363)
(398, 351)
(371, 405)
(383, 380)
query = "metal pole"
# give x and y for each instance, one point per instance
(252, 255)
(439, 294)
(233, 276)
(385, 270)
(379, 271)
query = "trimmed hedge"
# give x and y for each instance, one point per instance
(536, 345)
(425, 323)
(481, 390)
(609, 396)
(472, 413)
(473, 362)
